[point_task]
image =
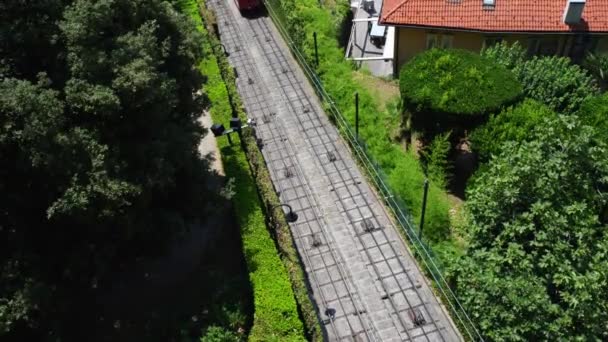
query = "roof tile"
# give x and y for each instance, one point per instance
(505, 16)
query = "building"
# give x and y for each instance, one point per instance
(547, 27)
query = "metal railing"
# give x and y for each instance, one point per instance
(423, 253)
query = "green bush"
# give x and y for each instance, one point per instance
(556, 82)
(509, 56)
(436, 158)
(597, 65)
(276, 315)
(219, 334)
(458, 83)
(512, 124)
(552, 80)
(594, 113)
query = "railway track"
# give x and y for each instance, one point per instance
(365, 283)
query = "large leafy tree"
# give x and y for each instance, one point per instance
(538, 258)
(98, 144)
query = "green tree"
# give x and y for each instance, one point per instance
(98, 145)
(535, 269)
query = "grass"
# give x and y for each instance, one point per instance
(275, 311)
(383, 91)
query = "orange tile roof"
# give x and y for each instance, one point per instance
(505, 16)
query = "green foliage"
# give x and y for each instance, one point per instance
(275, 311)
(218, 334)
(455, 82)
(98, 141)
(436, 158)
(556, 82)
(597, 65)
(512, 124)
(594, 113)
(407, 179)
(509, 56)
(552, 80)
(538, 253)
(402, 169)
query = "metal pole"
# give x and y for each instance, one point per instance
(229, 139)
(357, 115)
(314, 35)
(426, 191)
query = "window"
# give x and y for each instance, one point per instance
(491, 41)
(446, 41)
(442, 41)
(432, 40)
(532, 46)
(548, 46)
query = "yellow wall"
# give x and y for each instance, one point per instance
(412, 41)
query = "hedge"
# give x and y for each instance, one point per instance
(275, 216)
(456, 82)
(275, 311)
(404, 174)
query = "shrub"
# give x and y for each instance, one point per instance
(455, 82)
(506, 55)
(553, 80)
(512, 124)
(597, 65)
(219, 334)
(594, 112)
(436, 158)
(556, 82)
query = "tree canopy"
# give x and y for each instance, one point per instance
(98, 144)
(538, 255)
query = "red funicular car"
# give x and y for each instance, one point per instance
(248, 5)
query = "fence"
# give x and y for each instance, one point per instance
(422, 252)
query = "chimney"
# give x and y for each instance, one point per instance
(574, 11)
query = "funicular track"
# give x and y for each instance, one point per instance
(302, 150)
